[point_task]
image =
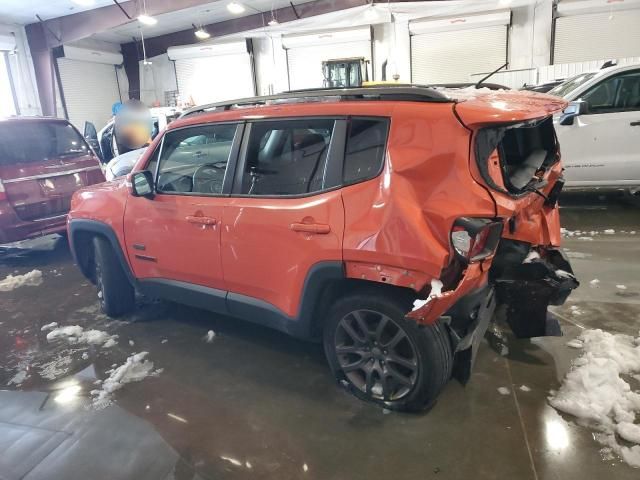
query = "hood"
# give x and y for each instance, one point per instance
(480, 107)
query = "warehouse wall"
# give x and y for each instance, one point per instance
(21, 66)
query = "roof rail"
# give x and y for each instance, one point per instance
(407, 93)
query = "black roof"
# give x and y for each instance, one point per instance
(406, 93)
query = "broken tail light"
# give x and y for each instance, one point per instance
(475, 239)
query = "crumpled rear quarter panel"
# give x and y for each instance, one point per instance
(403, 217)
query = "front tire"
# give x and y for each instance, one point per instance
(384, 358)
(116, 294)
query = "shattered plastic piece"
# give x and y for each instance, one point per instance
(210, 336)
(11, 282)
(621, 287)
(524, 388)
(564, 274)
(533, 255)
(164, 341)
(436, 291)
(504, 391)
(49, 326)
(594, 283)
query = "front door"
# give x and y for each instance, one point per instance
(602, 147)
(283, 217)
(175, 236)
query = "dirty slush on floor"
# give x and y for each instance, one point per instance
(178, 393)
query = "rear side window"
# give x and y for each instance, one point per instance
(39, 141)
(364, 155)
(194, 159)
(287, 157)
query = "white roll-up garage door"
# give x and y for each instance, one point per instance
(597, 36)
(213, 73)
(305, 53)
(90, 88)
(450, 50)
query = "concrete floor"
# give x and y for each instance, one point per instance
(257, 404)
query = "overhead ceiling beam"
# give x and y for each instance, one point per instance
(158, 45)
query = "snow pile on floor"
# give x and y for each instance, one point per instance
(31, 279)
(134, 369)
(436, 291)
(597, 393)
(76, 334)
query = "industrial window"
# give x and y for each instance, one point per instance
(365, 149)
(287, 157)
(194, 160)
(7, 104)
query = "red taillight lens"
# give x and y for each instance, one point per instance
(475, 239)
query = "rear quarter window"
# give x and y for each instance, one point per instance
(365, 148)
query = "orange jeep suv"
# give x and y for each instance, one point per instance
(388, 222)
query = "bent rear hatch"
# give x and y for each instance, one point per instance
(42, 162)
(515, 143)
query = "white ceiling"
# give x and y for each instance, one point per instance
(182, 19)
(24, 11)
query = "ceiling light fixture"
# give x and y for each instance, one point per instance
(144, 17)
(235, 8)
(274, 21)
(201, 33)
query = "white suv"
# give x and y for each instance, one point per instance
(599, 132)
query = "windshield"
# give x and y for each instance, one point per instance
(571, 84)
(38, 141)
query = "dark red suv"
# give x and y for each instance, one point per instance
(43, 161)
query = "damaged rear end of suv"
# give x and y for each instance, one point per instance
(468, 221)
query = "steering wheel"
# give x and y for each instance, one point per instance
(208, 178)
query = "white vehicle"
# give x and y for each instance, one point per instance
(599, 132)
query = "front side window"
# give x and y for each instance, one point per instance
(287, 157)
(194, 159)
(615, 94)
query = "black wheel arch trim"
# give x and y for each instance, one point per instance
(80, 226)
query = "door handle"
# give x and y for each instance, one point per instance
(635, 124)
(200, 220)
(311, 228)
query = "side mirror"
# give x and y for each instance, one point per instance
(142, 184)
(574, 109)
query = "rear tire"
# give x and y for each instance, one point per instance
(116, 294)
(384, 358)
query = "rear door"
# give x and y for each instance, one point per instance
(42, 163)
(175, 236)
(286, 214)
(602, 147)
